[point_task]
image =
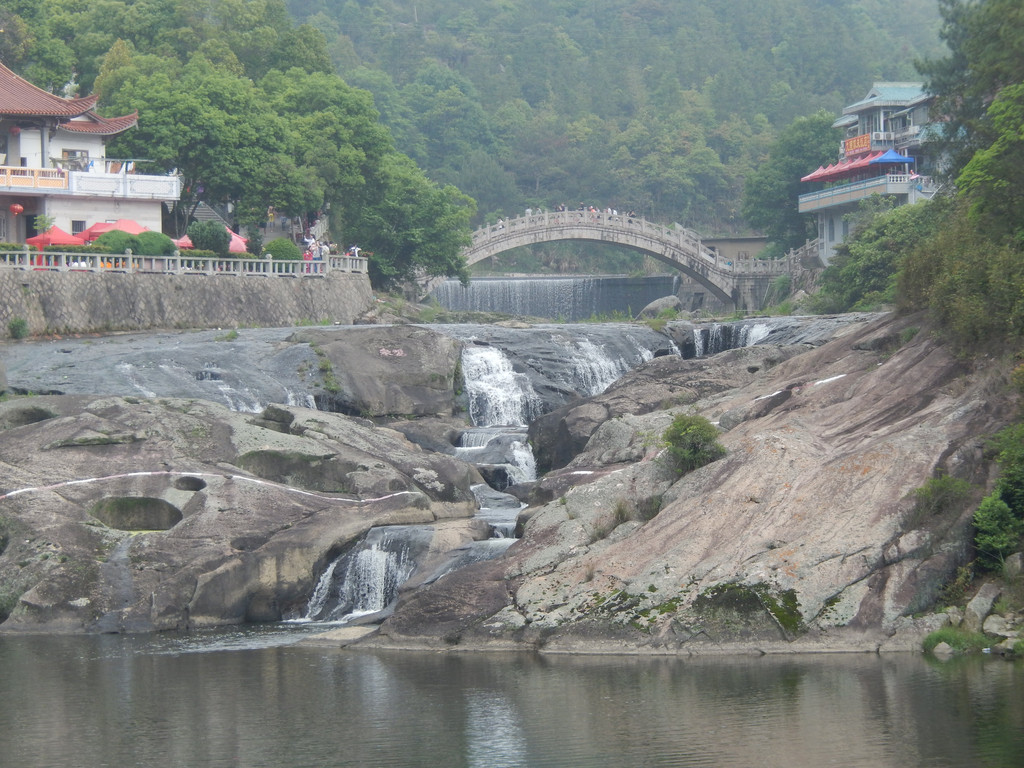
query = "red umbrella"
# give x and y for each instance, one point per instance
(122, 225)
(237, 244)
(54, 236)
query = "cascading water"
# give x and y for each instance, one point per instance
(717, 337)
(497, 395)
(499, 450)
(366, 579)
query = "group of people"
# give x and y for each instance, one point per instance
(316, 250)
(582, 209)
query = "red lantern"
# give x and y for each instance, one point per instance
(17, 208)
(14, 130)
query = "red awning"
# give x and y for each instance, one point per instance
(54, 236)
(842, 169)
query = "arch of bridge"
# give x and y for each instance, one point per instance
(676, 246)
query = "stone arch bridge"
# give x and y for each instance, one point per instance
(740, 284)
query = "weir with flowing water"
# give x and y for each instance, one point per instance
(570, 299)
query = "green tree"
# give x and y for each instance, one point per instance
(985, 41)
(993, 179)
(771, 191)
(997, 531)
(414, 226)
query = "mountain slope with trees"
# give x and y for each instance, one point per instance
(660, 107)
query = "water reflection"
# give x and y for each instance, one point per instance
(256, 698)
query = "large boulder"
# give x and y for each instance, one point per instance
(380, 371)
(664, 382)
(124, 514)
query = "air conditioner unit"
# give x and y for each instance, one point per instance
(881, 136)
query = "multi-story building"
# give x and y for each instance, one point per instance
(880, 155)
(53, 162)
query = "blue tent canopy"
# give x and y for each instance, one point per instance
(892, 156)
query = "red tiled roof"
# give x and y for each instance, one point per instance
(18, 97)
(103, 126)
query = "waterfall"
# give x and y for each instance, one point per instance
(718, 337)
(366, 578)
(497, 394)
(595, 370)
(504, 448)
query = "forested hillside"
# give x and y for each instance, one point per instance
(663, 106)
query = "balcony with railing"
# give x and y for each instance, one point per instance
(900, 184)
(102, 178)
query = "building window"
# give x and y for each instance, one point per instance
(831, 230)
(75, 159)
(846, 229)
(77, 226)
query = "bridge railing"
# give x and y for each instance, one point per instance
(686, 240)
(178, 264)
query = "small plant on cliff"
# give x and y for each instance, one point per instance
(691, 441)
(937, 496)
(17, 327)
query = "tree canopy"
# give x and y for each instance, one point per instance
(771, 191)
(243, 103)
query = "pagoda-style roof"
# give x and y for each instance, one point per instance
(887, 95)
(101, 126)
(20, 99)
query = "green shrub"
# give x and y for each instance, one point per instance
(958, 639)
(283, 248)
(156, 244)
(116, 241)
(955, 590)
(18, 327)
(937, 496)
(691, 441)
(210, 236)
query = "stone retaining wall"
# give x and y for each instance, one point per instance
(83, 302)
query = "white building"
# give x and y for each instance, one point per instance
(53, 162)
(880, 154)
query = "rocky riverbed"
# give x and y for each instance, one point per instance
(139, 510)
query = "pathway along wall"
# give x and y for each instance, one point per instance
(83, 302)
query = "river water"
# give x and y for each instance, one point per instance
(258, 697)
